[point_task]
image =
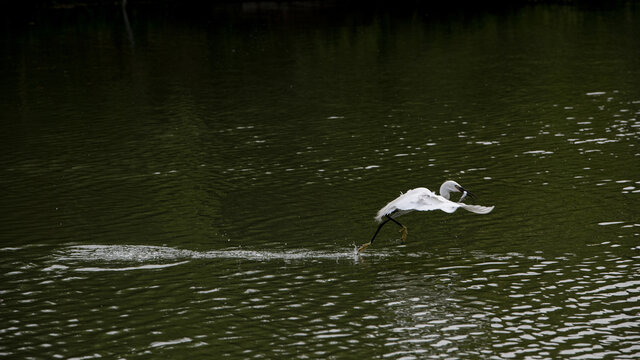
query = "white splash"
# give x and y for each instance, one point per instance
(144, 253)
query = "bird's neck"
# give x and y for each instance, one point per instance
(444, 190)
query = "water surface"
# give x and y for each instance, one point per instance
(199, 185)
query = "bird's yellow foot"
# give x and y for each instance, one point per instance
(404, 232)
(364, 246)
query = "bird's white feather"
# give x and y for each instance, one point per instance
(423, 199)
(478, 209)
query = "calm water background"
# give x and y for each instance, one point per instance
(196, 185)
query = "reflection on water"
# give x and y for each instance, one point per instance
(198, 185)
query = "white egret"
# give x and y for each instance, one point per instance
(423, 199)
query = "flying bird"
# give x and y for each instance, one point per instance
(423, 199)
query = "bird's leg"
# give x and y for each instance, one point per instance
(404, 230)
(364, 246)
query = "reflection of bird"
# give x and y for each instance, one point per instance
(422, 199)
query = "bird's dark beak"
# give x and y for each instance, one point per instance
(463, 190)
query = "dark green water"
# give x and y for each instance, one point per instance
(197, 189)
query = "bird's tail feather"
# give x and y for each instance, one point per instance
(478, 209)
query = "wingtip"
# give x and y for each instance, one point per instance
(478, 209)
(487, 209)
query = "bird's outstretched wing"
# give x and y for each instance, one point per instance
(423, 199)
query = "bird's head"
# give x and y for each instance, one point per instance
(450, 186)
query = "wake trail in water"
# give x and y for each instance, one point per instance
(143, 253)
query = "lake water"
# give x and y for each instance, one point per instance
(193, 183)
